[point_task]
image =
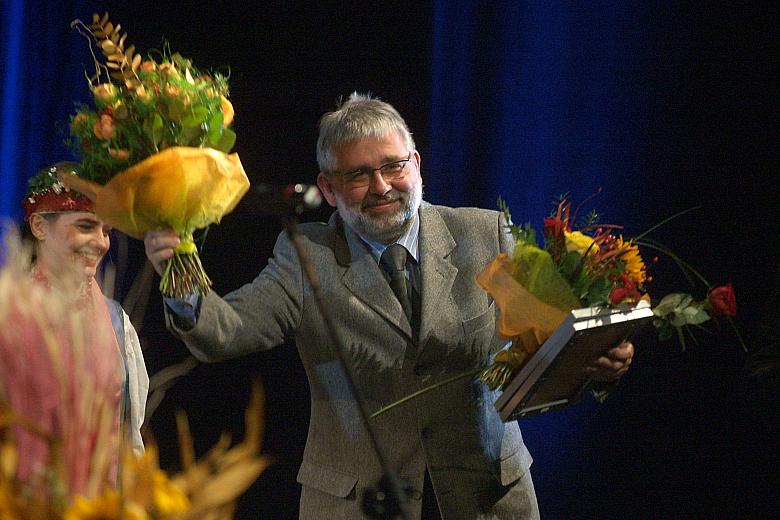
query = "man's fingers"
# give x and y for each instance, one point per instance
(623, 351)
(605, 363)
(159, 247)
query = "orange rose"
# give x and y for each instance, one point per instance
(172, 91)
(142, 94)
(168, 69)
(119, 153)
(104, 127)
(79, 119)
(148, 66)
(104, 93)
(227, 111)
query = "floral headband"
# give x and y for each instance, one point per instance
(47, 193)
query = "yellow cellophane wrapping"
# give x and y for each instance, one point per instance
(182, 188)
(524, 319)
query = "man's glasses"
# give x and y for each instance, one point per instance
(389, 171)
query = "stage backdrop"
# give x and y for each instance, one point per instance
(655, 109)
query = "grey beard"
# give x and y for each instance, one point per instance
(387, 230)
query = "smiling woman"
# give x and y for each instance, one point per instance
(69, 242)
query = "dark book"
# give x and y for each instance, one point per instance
(554, 377)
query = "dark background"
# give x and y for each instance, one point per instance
(664, 106)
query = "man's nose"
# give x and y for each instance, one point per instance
(377, 184)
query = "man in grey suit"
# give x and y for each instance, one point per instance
(403, 328)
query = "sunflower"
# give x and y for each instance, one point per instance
(107, 506)
(635, 266)
(169, 499)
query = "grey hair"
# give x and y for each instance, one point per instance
(358, 117)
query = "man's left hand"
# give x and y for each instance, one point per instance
(613, 364)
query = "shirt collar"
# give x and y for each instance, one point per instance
(410, 241)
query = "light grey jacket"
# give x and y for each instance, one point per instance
(476, 462)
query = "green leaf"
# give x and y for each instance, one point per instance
(175, 112)
(677, 319)
(598, 292)
(227, 141)
(664, 329)
(195, 118)
(570, 263)
(671, 303)
(191, 135)
(695, 315)
(215, 127)
(153, 128)
(537, 272)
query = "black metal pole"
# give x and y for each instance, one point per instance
(396, 503)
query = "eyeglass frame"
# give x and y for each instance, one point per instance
(350, 177)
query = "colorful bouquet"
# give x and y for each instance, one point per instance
(56, 441)
(585, 264)
(578, 265)
(154, 148)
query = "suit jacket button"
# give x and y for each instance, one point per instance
(419, 370)
(417, 494)
(426, 433)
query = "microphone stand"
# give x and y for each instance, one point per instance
(389, 498)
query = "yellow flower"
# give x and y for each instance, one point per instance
(169, 499)
(103, 506)
(107, 506)
(635, 266)
(579, 242)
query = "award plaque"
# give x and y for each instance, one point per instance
(554, 377)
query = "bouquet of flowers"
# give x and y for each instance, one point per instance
(154, 148)
(56, 441)
(582, 264)
(579, 264)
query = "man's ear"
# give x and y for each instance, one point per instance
(38, 226)
(325, 185)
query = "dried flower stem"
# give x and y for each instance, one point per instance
(426, 389)
(184, 275)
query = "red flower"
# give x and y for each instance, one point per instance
(723, 301)
(625, 292)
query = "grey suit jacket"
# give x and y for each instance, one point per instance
(475, 461)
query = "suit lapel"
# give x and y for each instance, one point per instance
(437, 273)
(365, 281)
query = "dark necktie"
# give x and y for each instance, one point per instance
(393, 261)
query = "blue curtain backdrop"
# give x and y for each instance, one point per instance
(38, 90)
(662, 108)
(531, 100)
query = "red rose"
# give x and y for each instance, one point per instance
(723, 301)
